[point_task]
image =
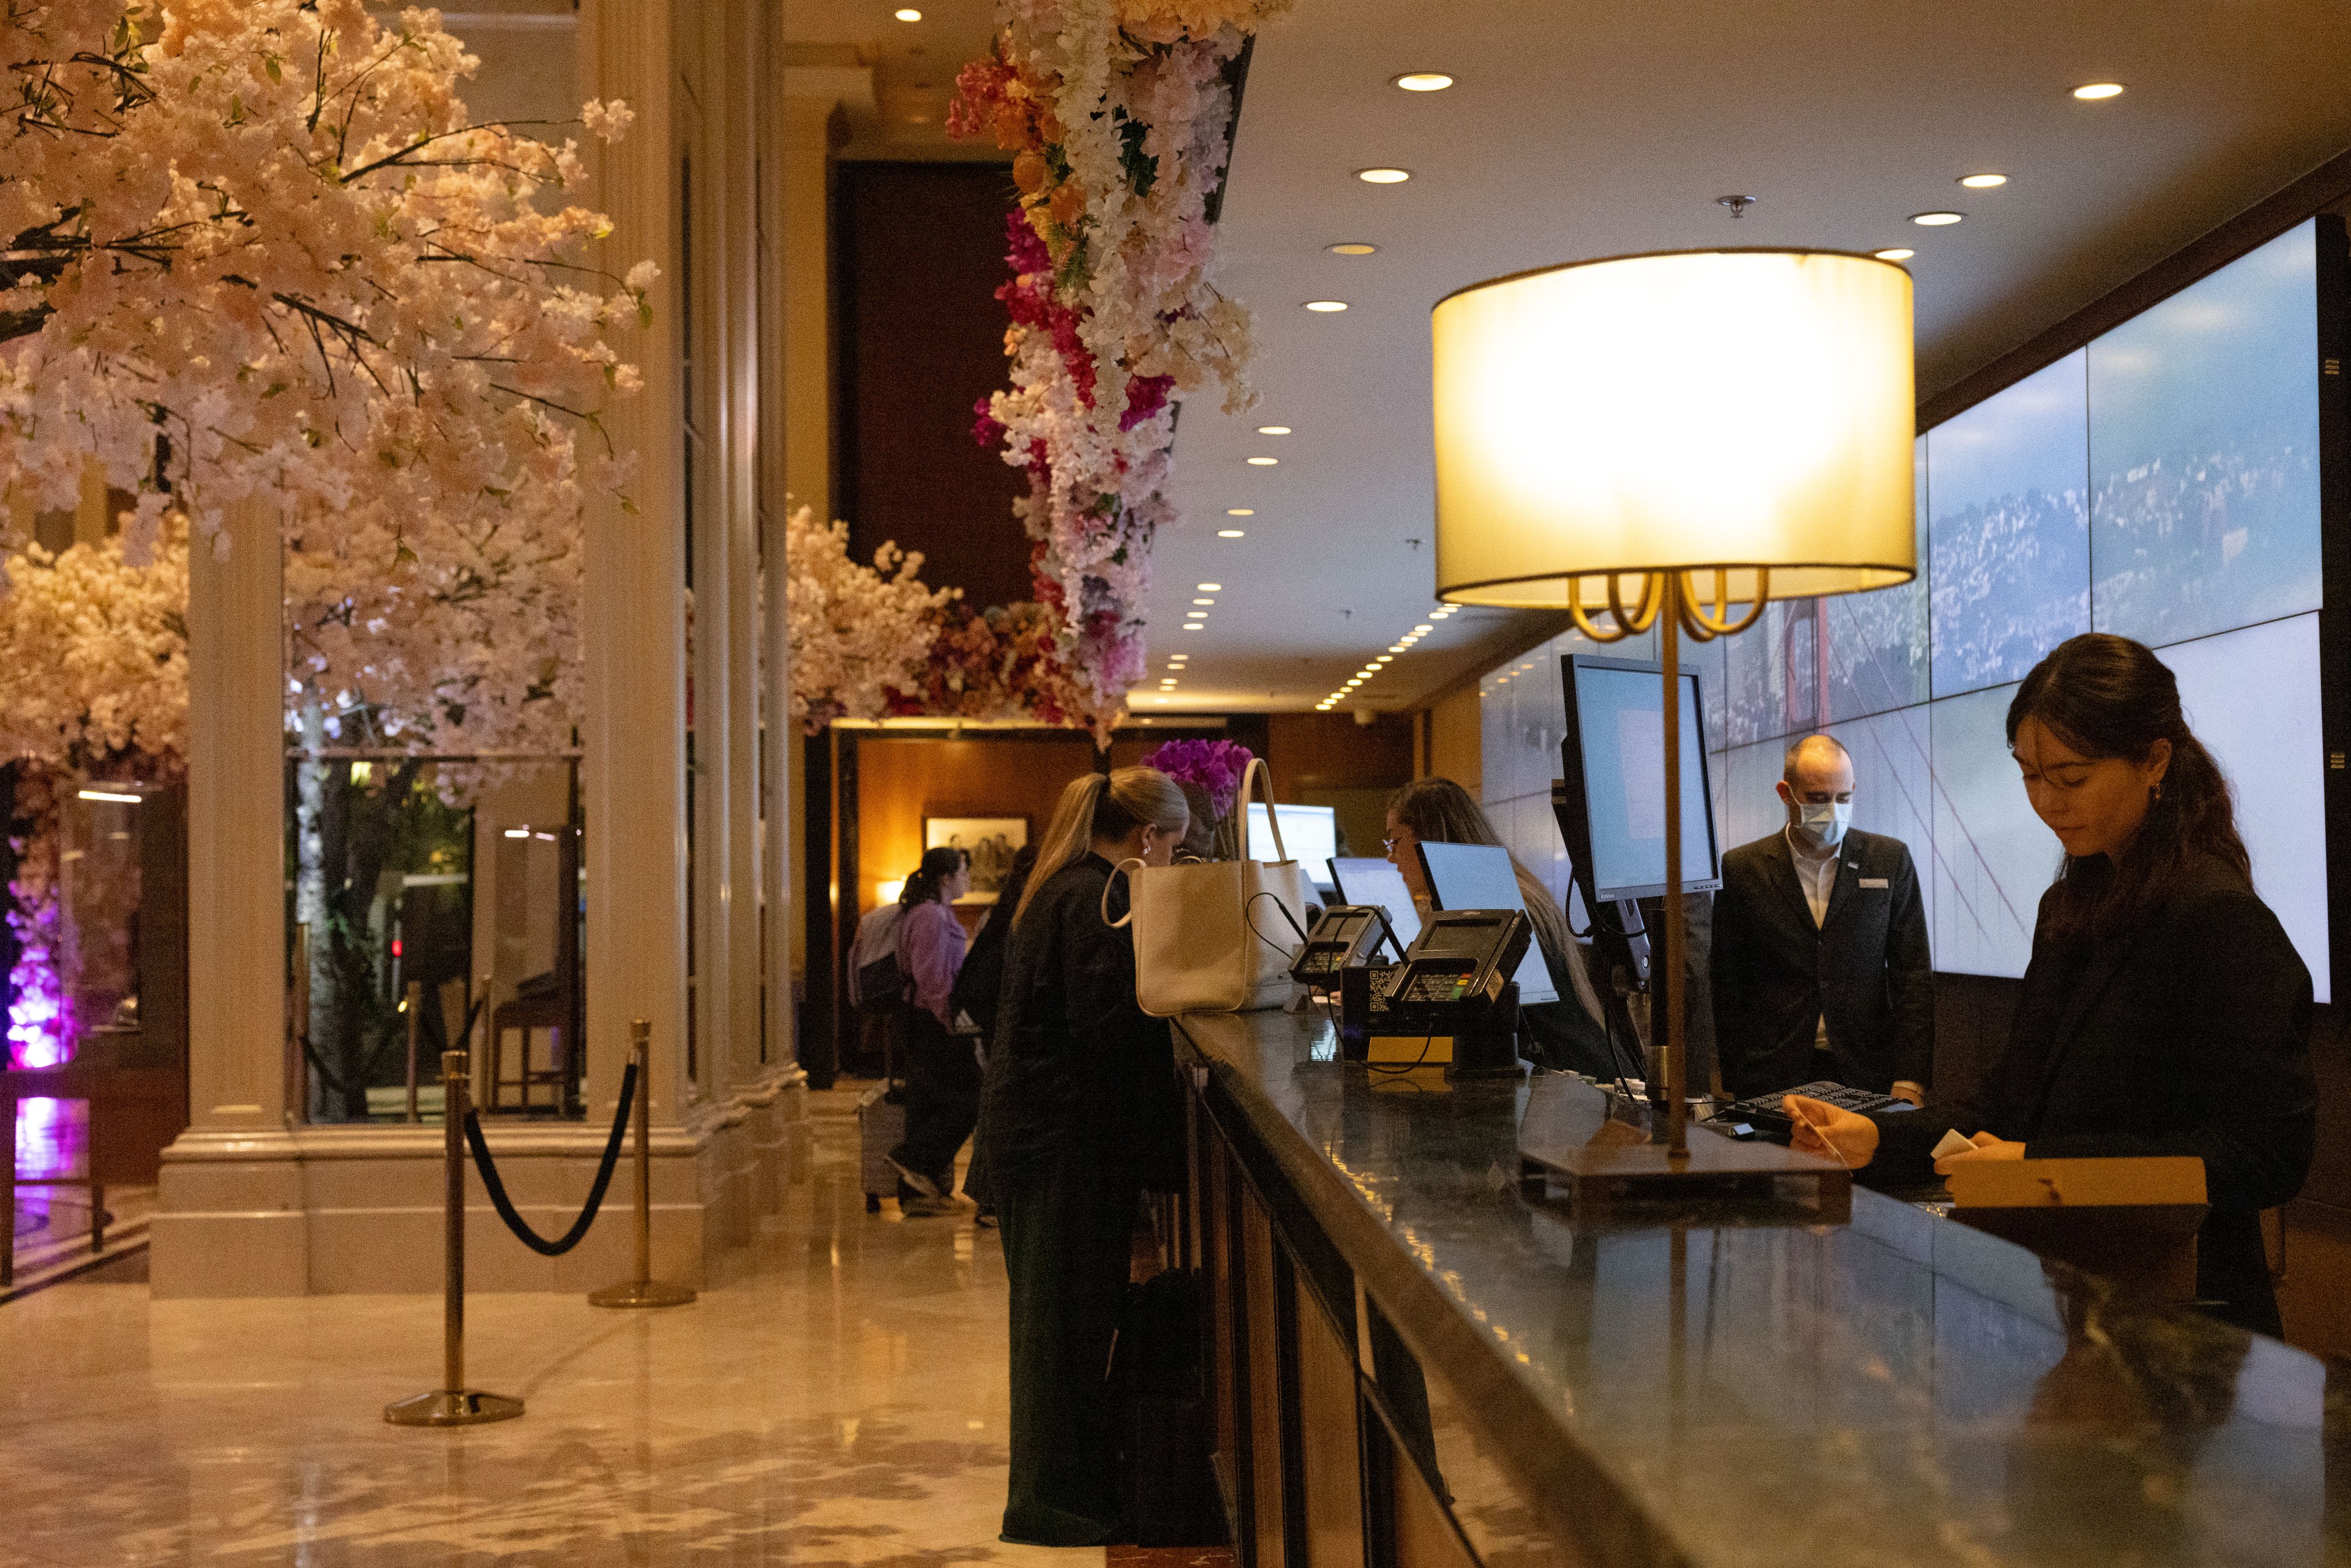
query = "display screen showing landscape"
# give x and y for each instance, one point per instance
(2161, 482)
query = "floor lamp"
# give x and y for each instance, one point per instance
(1670, 441)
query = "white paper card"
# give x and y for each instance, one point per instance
(1951, 1143)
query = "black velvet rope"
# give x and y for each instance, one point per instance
(505, 1206)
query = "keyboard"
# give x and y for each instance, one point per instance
(1764, 1118)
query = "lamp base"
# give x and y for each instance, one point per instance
(1569, 1142)
(453, 1408)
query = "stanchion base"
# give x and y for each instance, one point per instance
(640, 1294)
(444, 1408)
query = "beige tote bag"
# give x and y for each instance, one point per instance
(1217, 936)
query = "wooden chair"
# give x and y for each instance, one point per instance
(544, 1009)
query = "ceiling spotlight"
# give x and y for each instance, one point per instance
(1382, 176)
(1423, 631)
(2098, 89)
(908, 14)
(1423, 82)
(1326, 306)
(1937, 220)
(1263, 462)
(1353, 684)
(1240, 511)
(1230, 534)
(1352, 247)
(1387, 659)
(1982, 181)
(1194, 626)
(1273, 430)
(1899, 252)
(1203, 602)
(1396, 647)
(1207, 588)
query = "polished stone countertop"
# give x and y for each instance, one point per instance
(1711, 1389)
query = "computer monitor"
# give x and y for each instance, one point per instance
(1310, 835)
(1612, 813)
(1364, 881)
(1481, 876)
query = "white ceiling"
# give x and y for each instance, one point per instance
(1593, 130)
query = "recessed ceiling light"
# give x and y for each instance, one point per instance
(1263, 462)
(1396, 647)
(1352, 247)
(908, 14)
(1240, 511)
(1230, 534)
(1273, 430)
(1194, 626)
(1382, 176)
(1423, 82)
(2098, 89)
(1390, 658)
(1937, 220)
(1327, 307)
(1982, 181)
(1352, 683)
(1899, 252)
(1207, 588)
(1425, 631)
(1203, 602)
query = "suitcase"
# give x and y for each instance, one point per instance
(881, 1127)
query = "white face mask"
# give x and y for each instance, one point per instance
(1824, 826)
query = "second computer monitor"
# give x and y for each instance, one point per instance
(1361, 880)
(1481, 876)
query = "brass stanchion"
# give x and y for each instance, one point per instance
(453, 1404)
(413, 1004)
(644, 1291)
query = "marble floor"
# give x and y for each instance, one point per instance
(839, 1400)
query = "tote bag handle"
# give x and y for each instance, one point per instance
(1258, 774)
(1120, 869)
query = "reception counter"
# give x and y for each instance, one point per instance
(1414, 1358)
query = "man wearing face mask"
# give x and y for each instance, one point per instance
(1819, 961)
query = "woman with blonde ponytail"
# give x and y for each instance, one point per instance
(1079, 1115)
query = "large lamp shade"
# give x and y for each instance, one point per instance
(1682, 412)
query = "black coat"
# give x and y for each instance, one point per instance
(2187, 1032)
(1076, 1068)
(1865, 966)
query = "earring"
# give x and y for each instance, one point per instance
(2155, 792)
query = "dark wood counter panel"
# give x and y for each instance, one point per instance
(1412, 1362)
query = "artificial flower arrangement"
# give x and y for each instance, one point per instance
(1117, 113)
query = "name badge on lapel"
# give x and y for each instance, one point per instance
(1869, 881)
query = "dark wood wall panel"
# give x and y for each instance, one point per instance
(921, 339)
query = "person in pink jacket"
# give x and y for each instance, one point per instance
(943, 1072)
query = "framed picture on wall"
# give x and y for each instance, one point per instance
(992, 842)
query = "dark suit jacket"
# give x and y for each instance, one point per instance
(2187, 1033)
(1866, 967)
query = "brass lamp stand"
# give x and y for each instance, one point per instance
(644, 1291)
(1669, 600)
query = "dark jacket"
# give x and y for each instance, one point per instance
(979, 984)
(1076, 1068)
(1865, 966)
(2186, 1034)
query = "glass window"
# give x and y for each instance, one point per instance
(1993, 860)
(2204, 452)
(2009, 528)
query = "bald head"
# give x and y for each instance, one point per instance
(1815, 762)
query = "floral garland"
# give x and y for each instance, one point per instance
(858, 634)
(1116, 113)
(40, 1013)
(1003, 661)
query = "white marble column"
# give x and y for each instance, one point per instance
(231, 1218)
(780, 739)
(633, 613)
(736, 155)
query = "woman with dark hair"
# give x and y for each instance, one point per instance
(942, 1074)
(2164, 1011)
(1572, 1036)
(1079, 1116)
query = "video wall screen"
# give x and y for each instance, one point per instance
(2161, 482)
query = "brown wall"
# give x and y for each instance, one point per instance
(1456, 748)
(1329, 759)
(900, 782)
(922, 337)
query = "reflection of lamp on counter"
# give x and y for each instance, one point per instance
(1671, 440)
